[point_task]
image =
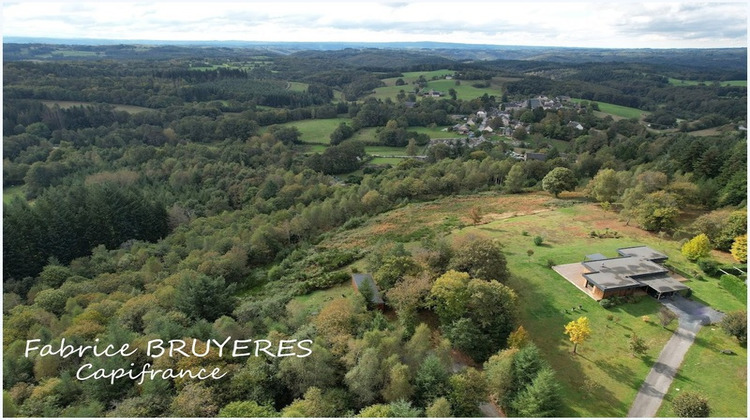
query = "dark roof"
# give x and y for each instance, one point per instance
(636, 268)
(359, 279)
(535, 156)
(663, 283)
(596, 257)
(642, 252)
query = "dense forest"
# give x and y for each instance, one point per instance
(169, 195)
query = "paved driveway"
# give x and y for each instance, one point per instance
(692, 315)
(689, 311)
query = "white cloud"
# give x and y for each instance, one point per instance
(560, 23)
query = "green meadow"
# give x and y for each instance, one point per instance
(464, 90)
(680, 82)
(617, 110)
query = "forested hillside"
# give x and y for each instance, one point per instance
(169, 195)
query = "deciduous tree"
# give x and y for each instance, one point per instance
(558, 180)
(696, 248)
(578, 331)
(739, 248)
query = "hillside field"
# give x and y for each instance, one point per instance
(603, 378)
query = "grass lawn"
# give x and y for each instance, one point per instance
(721, 378)
(9, 193)
(617, 110)
(603, 378)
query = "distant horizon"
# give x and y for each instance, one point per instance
(237, 43)
(605, 24)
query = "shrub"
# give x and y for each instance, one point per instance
(690, 404)
(538, 240)
(606, 303)
(735, 324)
(709, 266)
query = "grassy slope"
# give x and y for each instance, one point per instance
(617, 110)
(604, 366)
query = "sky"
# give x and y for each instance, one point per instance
(596, 24)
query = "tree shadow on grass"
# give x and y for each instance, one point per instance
(597, 399)
(619, 373)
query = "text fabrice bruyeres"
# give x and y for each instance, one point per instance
(159, 348)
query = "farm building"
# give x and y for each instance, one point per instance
(359, 279)
(638, 270)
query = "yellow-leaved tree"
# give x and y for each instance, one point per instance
(697, 248)
(739, 248)
(578, 331)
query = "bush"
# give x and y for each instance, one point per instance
(606, 303)
(734, 286)
(709, 266)
(735, 324)
(538, 240)
(690, 404)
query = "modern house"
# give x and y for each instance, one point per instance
(359, 279)
(637, 270)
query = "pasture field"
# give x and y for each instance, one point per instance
(317, 131)
(412, 76)
(617, 110)
(679, 82)
(385, 150)
(297, 86)
(386, 161)
(463, 91)
(604, 377)
(130, 109)
(433, 132)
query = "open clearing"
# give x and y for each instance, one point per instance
(616, 110)
(317, 131)
(678, 82)
(603, 379)
(9, 193)
(464, 90)
(131, 109)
